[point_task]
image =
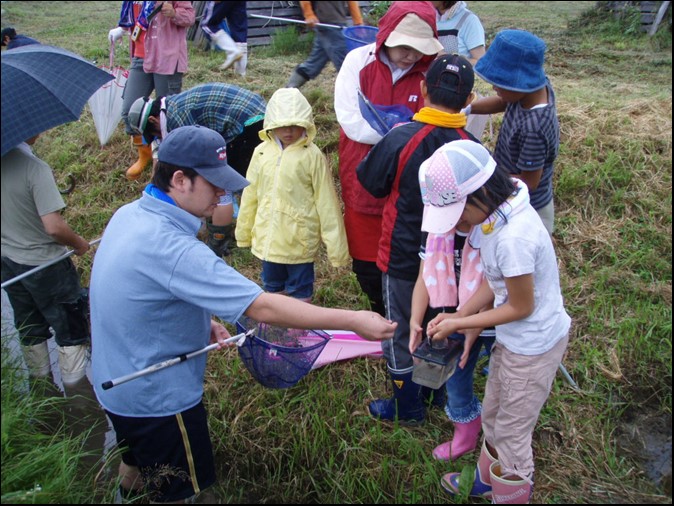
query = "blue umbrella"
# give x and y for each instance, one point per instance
(43, 87)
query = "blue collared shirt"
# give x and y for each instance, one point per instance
(154, 288)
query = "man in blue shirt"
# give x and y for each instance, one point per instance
(154, 289)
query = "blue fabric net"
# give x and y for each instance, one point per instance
(278, 357)
(357, 36)
(383, 117)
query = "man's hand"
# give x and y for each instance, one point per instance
(311, 21)
(218, 334)
(373, 326)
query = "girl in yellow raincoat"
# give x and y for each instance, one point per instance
(291, 204)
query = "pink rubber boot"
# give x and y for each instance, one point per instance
(464, 441)
(511, 490)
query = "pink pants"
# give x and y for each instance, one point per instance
(517, 388)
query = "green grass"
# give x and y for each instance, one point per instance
(43, 456)
(613, 194)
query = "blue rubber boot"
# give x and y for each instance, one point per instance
(407, 404)
(482, 487)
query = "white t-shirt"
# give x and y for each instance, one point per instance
(523, 246)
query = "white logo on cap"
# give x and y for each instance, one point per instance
(452, 67)
(437, 197)
(222, 153)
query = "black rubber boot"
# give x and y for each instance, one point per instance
(218, 238)
(434, 398)
(296, 80)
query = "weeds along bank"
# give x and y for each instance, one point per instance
(315, 442)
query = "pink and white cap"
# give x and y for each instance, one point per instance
(453, 172)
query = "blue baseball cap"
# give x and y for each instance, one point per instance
(205, 151)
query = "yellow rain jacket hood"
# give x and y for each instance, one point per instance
(291, 204)
(287, 107)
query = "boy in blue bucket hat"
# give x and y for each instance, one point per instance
(528, 142)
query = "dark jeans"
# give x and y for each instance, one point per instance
(329, 45)
(51, 297)
(463, 405)
(297, 280)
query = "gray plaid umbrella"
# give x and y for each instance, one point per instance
(43, 87)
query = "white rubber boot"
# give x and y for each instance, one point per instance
(37, 360)
(73, 363)
(227, 44)
(241, 64)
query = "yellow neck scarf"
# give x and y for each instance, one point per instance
(438, 118)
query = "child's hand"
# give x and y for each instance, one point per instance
(442, 326)
(434, 322)
(415, 336)
(471, 337)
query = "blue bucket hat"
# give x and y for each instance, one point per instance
(514, 62)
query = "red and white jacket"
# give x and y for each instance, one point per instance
(364, 69)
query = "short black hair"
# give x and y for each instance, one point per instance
(163, 174)
(449, 81)
(8, 32)
(447, 98)
(155, 110)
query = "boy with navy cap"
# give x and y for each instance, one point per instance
(390, 172)
(154, 290)
(528, 142)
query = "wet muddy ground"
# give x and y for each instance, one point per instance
(646, 437)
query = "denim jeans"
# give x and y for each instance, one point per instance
(296, 279)
(329, 45)
(463, 406)
(51, 297)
